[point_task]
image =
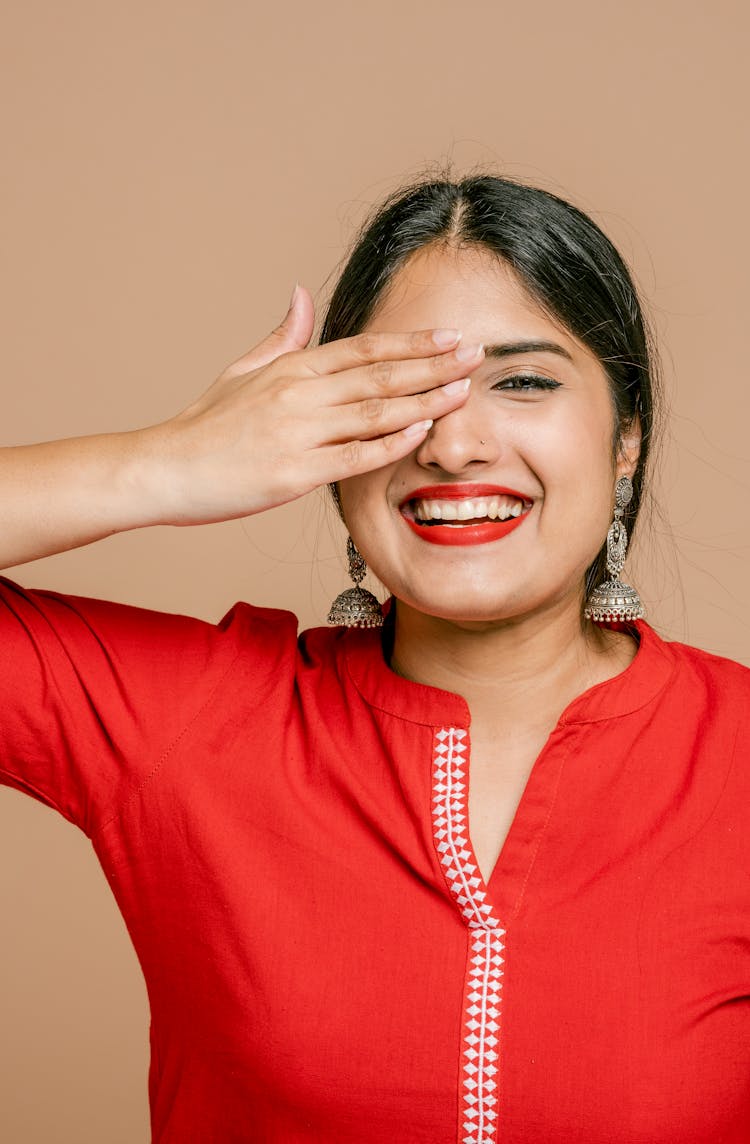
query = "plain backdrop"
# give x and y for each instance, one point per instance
(169, 170)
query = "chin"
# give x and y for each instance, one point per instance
(465, 608)
(475, 606)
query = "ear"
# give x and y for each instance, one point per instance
(629, 447)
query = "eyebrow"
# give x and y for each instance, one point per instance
(508, 349)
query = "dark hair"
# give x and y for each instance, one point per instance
(565, 262)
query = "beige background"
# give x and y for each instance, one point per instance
(170, 170)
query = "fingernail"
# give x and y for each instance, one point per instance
(418, 429)
(469, 352)
(459, 386)
(445, 338)
(295, 292)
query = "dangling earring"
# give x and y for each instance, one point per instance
(356, 607)
(613, 601)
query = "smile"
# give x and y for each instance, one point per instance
(464, 514)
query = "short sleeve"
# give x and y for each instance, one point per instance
(92, 693)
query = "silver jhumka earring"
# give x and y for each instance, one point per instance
(613, 601)
(356, 607)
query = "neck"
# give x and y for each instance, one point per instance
(513, 671)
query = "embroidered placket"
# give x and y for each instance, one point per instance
(478, 1114)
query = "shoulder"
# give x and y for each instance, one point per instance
(713, 672)
(58, 627)
(709, 693)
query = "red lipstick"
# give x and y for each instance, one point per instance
(455, 534)
(464, 491)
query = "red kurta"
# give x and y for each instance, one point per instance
(284, 826)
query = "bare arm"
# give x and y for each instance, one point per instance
(63, 494)
(278, 423)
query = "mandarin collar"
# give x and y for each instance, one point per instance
(640, 683)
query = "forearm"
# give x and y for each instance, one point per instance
(63, 494)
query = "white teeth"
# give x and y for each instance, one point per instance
(468, 510)
(499, 507)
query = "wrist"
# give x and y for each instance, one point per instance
(152, 477)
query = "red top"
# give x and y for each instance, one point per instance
(284, 826)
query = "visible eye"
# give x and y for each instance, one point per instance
(526, 382)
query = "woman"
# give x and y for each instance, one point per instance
(359, 921)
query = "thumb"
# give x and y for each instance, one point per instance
(292, 333)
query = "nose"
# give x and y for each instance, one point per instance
(461, 440)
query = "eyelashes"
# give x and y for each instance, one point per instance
(526, 383)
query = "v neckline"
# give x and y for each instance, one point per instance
(445, 711)
(495, 899)
(510, 872)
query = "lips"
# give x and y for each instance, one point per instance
(424, 508)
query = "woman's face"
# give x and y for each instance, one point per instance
(534, 438)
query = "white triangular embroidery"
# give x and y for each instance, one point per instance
(482, 989)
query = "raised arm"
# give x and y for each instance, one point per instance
(276, 424)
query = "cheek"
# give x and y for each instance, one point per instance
(354, 494)
(364, 504)
(575, 463)
(565, 449)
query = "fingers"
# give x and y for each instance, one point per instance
(374, 349)
(387, 379)
(336, 462)
(368, 441)
(293, 333)
(381, 416)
